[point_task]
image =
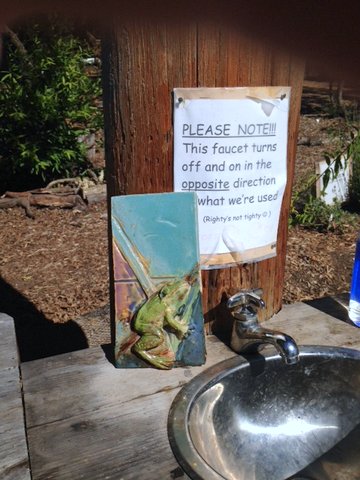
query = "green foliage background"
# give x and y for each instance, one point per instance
(46, 103)
(313, 213)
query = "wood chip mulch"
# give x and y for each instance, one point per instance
(54, 268)
(318, 264)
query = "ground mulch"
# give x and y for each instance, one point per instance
(58, 260)
(318, 264)
(54, 270)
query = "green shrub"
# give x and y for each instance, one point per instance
(315, 214)
(310, 212)
(46, 103)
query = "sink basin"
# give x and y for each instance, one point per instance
(259, 419)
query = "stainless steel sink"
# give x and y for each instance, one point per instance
(259, 419)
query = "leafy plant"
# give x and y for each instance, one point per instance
(317, 215)
(310, 212)
(46, 103)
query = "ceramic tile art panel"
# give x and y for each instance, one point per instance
(158, 313)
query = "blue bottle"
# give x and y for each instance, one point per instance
(354, 304)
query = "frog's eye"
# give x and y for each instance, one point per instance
(181, 310)
(163, 292)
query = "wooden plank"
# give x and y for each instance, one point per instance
(87, 419)
(8, 346)
(310, 326)
(126, 440)
(14, 461)
(111, 425)
(49, 383)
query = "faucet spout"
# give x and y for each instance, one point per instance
(250, 338)
(287, 348)
(248, 335)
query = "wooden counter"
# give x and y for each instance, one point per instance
(14, 462)
(88, 420)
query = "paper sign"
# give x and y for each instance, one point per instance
(230, 147)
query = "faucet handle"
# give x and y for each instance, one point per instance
(245, 298)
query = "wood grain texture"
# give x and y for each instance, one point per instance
(142, 64)
(49, 382)
(88, 420)
(14, 461)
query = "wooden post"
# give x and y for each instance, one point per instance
(142, 64)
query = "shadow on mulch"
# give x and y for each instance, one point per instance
(37, 337)
(318, 102)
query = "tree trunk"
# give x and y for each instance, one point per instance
(141, 66)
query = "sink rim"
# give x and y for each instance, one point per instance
(178, 430)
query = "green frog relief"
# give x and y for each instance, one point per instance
(167, 311)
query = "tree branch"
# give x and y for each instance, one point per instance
(16, 41)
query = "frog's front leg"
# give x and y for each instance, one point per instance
(152, 347)
(180, 328)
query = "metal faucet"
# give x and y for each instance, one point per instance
(248, 335)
